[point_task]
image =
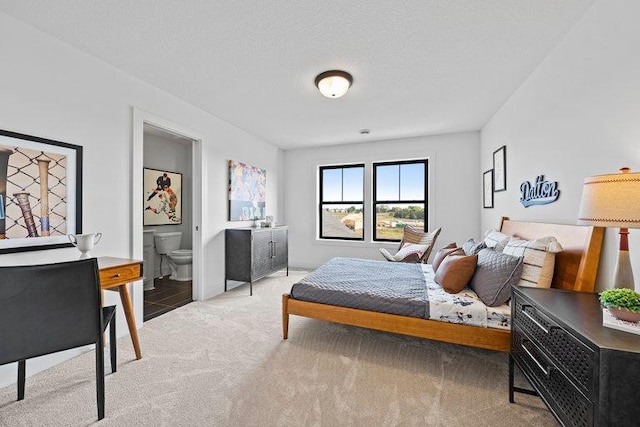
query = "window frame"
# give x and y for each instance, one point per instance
(321, 201)
(375, 202)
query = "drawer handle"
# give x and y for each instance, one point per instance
(546, 371)
(538, 324)
(116, 275)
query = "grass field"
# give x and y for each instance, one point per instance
(394, 233)
(387, 232)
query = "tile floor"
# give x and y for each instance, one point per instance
(167, 295)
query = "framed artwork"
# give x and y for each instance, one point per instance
(247, 192)
(162, 197)
(487, 189)
(500, 169)
(40, 192)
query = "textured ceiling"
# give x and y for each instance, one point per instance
(420, 67)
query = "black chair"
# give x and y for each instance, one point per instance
(54, 307)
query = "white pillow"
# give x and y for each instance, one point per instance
(539, 259)
(386, 254)
(410, 249)
(495, 239)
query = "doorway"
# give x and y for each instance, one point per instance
(167, 218)
(157, 140)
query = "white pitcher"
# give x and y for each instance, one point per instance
(85, 242)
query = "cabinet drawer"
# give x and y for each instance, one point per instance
(562, 396)
(120, 275)
(571, 355)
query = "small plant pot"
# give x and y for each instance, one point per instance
(622, 314)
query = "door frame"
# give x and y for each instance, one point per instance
(140, 118)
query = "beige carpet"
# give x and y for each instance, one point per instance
(223, 362)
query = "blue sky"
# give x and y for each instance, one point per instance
(353, 188)
(394, 182)
(407, 179)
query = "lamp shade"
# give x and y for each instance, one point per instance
(334, 83)
(611, 200)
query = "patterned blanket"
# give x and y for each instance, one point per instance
(387, 287)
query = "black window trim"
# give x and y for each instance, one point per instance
(348, 202)
(375, 202)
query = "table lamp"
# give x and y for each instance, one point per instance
(614, 201)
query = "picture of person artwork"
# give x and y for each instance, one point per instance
(162, 197)
(247, 192)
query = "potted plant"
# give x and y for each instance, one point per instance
(622, 303)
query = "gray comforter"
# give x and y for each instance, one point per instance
(387, 287)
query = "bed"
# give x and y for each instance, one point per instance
(576, 268)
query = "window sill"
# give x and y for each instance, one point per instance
(356, 243)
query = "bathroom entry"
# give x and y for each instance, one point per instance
(167, 246)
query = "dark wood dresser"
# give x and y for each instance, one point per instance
(252, 253)
(586, 373)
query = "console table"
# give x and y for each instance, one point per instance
(252, 253)
(586, 373)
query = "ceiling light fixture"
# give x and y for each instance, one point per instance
(334, 83)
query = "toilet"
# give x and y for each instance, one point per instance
(168, 244)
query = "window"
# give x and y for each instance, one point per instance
(399, 197)
(342, 202)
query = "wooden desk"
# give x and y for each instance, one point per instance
(115, 275)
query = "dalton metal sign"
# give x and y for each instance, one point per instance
(541, 192)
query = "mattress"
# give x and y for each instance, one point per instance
(397, 288)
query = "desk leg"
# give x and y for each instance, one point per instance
(131, 321)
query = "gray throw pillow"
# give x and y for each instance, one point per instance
(471, 247)
(495, 274)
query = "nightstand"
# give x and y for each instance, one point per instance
(586, 373)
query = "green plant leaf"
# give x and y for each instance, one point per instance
(626, 299)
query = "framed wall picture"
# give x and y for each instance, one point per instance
(487, 189)
(162, 197)
(247, 192)
(500, 169)
(40, 192)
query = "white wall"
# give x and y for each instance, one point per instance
(455, 192)
(52, 90)
(577, 115)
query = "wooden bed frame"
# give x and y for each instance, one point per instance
(575, 270)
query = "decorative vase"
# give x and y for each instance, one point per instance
(623, 314)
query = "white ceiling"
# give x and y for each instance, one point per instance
(420, 67)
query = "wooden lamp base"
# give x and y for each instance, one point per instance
(623, 275)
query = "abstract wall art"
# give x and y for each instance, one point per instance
(247, 192)
(500, 169)
(487, 189)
